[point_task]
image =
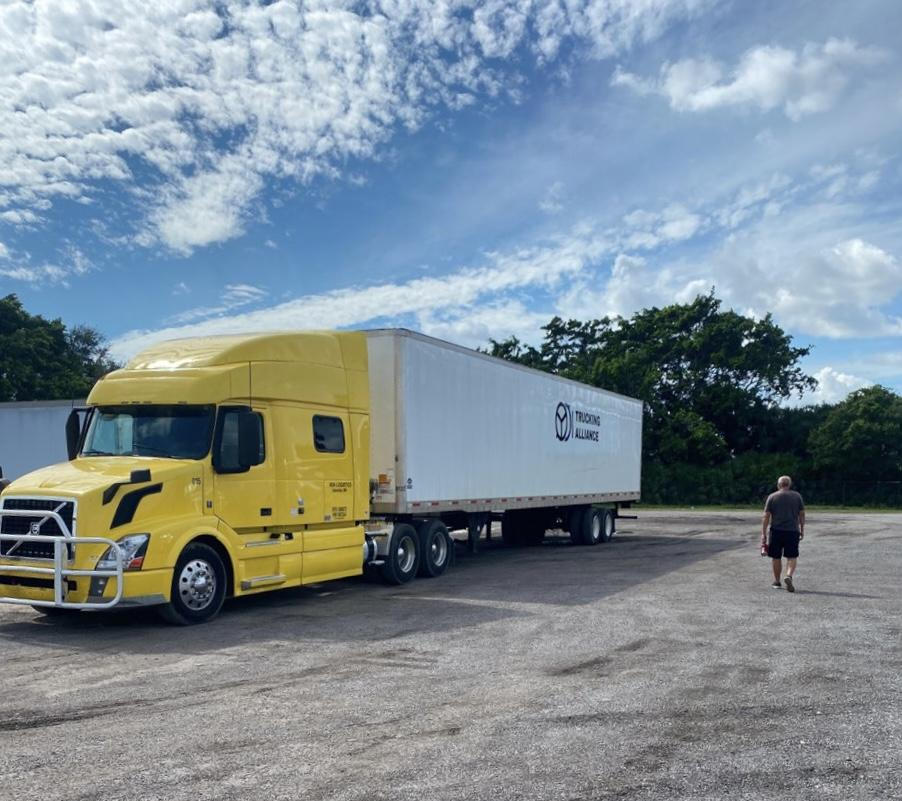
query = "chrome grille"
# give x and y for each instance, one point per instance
(46, 526)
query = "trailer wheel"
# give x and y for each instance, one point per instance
(198, 586)
(575, 524)
(403, 556)
(607, 526)
(435, 548)
(592, 526)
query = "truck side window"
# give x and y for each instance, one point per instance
(328, 434)
(228, 454)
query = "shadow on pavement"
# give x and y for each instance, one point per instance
(479, 589)
(839, 594)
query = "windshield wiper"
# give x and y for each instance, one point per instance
(99, 453)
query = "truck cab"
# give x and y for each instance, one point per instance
(206, 468)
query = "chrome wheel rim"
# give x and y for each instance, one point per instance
(608, 527)
(438, 550)
(407, 554)
(596, 528)
(197, 584)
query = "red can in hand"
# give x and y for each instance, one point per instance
(764, 549)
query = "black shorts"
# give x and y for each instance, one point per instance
(783, 543)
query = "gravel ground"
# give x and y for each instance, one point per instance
(659, 666)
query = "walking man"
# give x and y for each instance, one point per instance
(784, 513)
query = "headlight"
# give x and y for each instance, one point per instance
(133, 548)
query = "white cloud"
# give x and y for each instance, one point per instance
(633, 284)
(239, 294)
(442, 304)
(836, 291)
(234, 296)
(646, 230)
(19, 217)
(833, 386)
(766, 77)
(552, 201)
(474, 327)
(196, 104)
(73, 262)
(808, 263)
(43, 275)
(77, 263)
(181, 288)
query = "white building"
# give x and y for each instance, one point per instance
(33, 435)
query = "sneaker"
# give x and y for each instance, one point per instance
(777, 585)
(789, 586)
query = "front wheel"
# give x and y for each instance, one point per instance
(198, 586)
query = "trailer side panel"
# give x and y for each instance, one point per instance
(472, 431)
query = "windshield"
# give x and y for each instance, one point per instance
(173, 432)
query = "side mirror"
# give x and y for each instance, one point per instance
(4, 482)
(73, 434)
(250, 438)
(75, 428)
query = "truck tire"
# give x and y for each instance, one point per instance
(403, 558)
(575, 524)
(592, 526)
(607, 525)
(198, 586)
(435, 548)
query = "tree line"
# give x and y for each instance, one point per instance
(717, 427)
(715, 383)
(42, 359)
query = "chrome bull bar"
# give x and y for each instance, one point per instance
(60, 570)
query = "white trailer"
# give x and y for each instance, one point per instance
(467, 437)
(32, 435)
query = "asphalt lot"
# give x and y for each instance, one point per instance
(659, 666)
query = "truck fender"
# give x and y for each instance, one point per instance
(212, 536)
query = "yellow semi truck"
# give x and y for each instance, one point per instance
(231, 465)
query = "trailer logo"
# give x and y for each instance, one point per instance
(563, 421)
(576, 423)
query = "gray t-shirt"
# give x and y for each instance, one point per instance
(784, 507)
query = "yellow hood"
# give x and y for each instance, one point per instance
(175, 490)
(87, 474)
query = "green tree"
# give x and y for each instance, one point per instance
(861, 438)
(711, 379)
(41, 360)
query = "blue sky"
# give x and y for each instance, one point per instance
(465, 169)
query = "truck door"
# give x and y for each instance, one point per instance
(244, 498)
(333, 544)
